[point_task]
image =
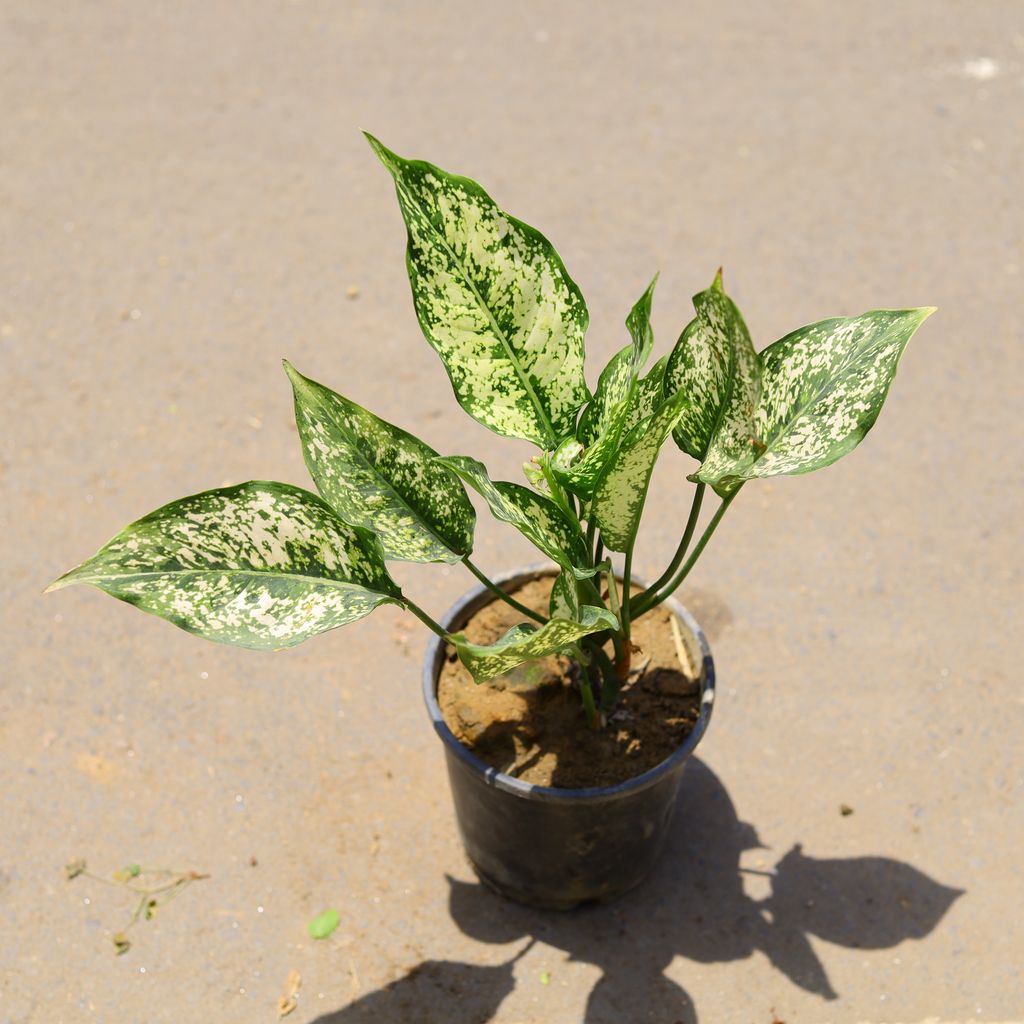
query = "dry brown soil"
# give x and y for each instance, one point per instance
(530, 724)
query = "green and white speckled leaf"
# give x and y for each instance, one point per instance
(565, 598)
(638, 323)
(647, 395)
(377, 476)
(609, 396)
(527, 642)
(823, 388)
(535, 516)
(261, 565)
(495, 302)
(714, 362)
(620, 494)
(604, 421)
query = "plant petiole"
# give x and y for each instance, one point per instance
(503, 595)
(645, 606)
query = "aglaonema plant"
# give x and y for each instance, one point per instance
(268, 565)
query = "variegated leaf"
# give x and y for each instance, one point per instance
(262, 565)
(565, 598)
(609, 395)
(823, 388)
(603, 422)
(638, 323)
(715, 364)
(620, 494)
(647, 395)
(377, 476)
(535, 516)
(527, 642)
(495, 302)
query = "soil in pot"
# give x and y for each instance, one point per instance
(530, 723)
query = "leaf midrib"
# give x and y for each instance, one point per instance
(499, 333)
(335, 583)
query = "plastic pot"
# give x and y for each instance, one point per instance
(550, 847)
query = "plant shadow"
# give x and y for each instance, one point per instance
(694, 906)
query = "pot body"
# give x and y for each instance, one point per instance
(557, 848)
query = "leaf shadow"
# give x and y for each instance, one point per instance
(694, 906)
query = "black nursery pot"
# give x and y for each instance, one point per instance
(556, 848)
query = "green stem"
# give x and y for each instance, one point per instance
(610, 684)
(645, 606)
(627, 572)
(613, 593)
(424, 617)
(587, 696)
(684, 544)
(507, 598)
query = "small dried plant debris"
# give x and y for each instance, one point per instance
(288, 1000)
(153, 889)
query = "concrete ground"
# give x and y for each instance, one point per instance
(186, 199)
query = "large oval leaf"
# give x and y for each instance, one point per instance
(535, 516)
(262, 565)
(823, 388)
(495, 302)
(715, 364)
(620, 494)
(377, 476)
(526, 642)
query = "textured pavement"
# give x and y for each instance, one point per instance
(185, 198)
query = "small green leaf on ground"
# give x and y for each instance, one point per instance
(324, 924)
(545, 977)
(128, 871)
(121, 943)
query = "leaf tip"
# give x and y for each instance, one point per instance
(717, 283)
(384, 155)
(61, 582)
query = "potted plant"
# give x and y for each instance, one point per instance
(564, 652)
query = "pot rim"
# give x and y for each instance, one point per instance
(479, 597)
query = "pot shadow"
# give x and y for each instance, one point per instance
(693, 906)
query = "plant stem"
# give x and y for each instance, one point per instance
(684, 544)
(645, 606)
(627, 572)
(587, 696)
(610, 684)
(507, 598)
(425, 618)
